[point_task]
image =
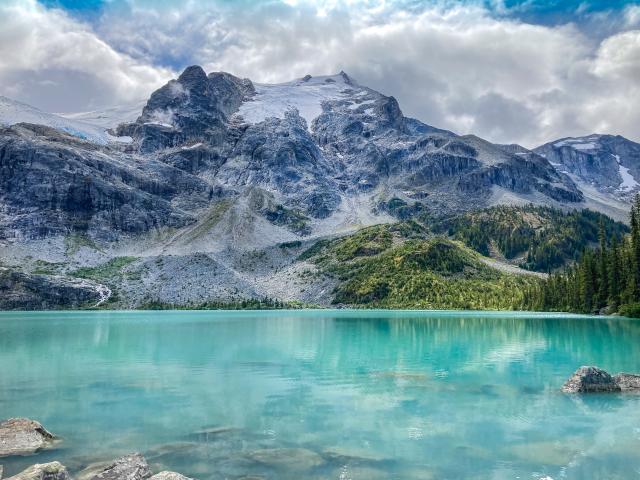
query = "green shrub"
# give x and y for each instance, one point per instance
(631, 310)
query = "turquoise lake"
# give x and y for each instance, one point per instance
(325, 394)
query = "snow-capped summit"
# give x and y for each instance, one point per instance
(305, 95)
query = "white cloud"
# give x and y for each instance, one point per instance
(632, 16)
(52, 60)
(455, 67)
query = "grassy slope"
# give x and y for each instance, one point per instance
(397, 266)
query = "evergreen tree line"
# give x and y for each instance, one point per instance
(265, 303)
(604, 280)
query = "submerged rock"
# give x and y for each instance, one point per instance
(129, 467)
(22, 436)
(43, 471)
(594, 379)
(169, 476)
(298, 459)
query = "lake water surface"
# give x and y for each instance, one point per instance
(325, 394)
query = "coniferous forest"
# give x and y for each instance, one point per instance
(605, 279)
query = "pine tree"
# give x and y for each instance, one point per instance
(614, 276)
(603, 274)
(587, 280)
(634, 280)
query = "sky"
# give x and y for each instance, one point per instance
(510, 71)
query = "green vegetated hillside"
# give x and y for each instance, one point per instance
(403, 266)
(536, 238)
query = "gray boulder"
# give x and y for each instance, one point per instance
(594, 379)
(129, 467)
(590, 379)
(627, 381)
(22, 436)
(42, 471)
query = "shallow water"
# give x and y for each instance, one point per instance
(325, 394)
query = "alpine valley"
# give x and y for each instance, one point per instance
(218, 191)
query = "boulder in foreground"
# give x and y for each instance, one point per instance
(594, 379)
(22, 436)
(43, 471)
(129, 467)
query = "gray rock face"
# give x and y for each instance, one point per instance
(52, 184)
(610, 163)
(23, 291)
(195, 106)
(594, 379)
(129, 467)
(44, 471)
(22, 436)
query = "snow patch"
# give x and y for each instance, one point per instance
(109, 117)
(191, 147)
(356, 105)
(628, 182)
(583, 143)
(125, 139)
(13, 112)
(306, 96)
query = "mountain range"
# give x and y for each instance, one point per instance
(216, 186)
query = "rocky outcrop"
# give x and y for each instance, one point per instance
(22, 436)
(44, 471)
(599, 160)
(593, 380)
(24, 291)
(129, 467)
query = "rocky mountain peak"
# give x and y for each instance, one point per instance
(196, 106)
(193, 75)
(608, 163)
(345, 77)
